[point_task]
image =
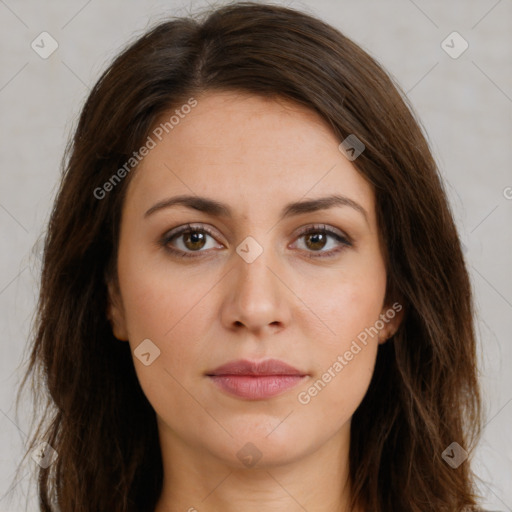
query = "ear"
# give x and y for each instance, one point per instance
(392, 317)
(115, 313)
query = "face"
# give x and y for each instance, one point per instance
(245, 276)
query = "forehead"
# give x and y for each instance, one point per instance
(240, 147)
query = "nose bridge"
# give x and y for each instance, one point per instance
(253, 272)
(254, 289)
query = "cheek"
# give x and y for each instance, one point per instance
(347, 302)
(170, 313)
(331, 399)
(162, 306)
(343, 363)
(345, 352)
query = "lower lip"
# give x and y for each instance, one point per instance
(256, 387)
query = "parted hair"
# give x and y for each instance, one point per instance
(424, 393)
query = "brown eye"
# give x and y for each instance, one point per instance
(187, 240)
(316, 241)
(316, 238)
(194, 240)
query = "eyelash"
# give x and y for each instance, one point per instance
(315, 229)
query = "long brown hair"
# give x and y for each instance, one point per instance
(424, 394)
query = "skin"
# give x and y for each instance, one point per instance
(204, 311)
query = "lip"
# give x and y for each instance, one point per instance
(254, 380)
(246, 367)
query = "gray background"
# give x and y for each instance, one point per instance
(465, 105)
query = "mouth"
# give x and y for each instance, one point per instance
(256, 381)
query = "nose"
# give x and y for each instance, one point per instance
(255, 296)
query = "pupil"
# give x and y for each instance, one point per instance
(318, 235)
(196, 238)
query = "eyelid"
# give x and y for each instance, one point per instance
(323, 227)
(192, 226)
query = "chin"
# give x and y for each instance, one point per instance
(262, 448)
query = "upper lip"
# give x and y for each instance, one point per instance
(246, 367)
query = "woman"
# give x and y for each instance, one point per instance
(213, 340)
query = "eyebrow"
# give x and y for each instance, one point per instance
(217, 209)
